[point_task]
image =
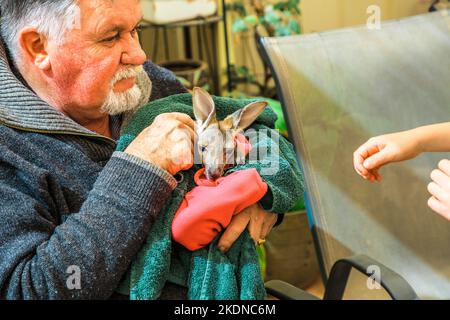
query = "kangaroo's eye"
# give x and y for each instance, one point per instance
(203, 149)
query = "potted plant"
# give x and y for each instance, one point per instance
(272, 18)
(277, 17)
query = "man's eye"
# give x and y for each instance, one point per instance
(203, 148)
(111, 39)
(136, 30)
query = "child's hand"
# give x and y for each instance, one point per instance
(440, 189)
(381, 150)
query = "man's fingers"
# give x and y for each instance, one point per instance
(184, 118)
(268, 225)
(439, 207)
(255, 226)
(182, 154)
(234, 230)
(190, 132)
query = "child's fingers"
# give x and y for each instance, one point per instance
(436, 191)
(362, 154)
(444, 165)
(357, 164)
(377, 176)
(441, 179)
(439, 207)
(377, 160)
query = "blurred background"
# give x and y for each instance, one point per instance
(214, 44)
(170, 36)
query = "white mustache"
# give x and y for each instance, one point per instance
(127, 73)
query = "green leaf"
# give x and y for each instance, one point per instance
(243, 70)
(272, 18)
(293, 3)
(282, 31)
(295, 26)
(268, 8)
(239, 26)
(241, 8)
(252, 19)
(280, 6)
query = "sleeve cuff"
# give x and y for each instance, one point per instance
(135, 182)
(280, 219)
(166, 176)
(266, 201)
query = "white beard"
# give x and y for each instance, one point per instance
(130, 100)
(117, 103)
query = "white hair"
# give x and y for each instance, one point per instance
(51, 18)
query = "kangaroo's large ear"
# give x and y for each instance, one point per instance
(204, 108)
(243, 118)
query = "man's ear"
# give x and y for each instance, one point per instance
(33, 44)
(243, 118)
(204, 108)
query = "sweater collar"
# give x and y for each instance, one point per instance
(22, 109)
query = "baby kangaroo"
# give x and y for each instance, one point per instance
(216, 140)
(209, 207)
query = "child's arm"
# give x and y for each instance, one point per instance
(394, 147)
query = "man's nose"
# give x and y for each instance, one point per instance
(133, 55)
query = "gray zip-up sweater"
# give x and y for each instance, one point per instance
(67, 200)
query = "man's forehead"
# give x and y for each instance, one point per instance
(107, 15)
(96, 3)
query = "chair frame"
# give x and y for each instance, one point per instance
(395, 285)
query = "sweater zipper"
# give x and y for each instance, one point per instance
(60, 132)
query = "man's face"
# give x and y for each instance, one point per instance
(98, 61)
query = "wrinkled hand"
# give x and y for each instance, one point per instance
(168, 143)
(440, 189)
(381, 150)
(258, 221)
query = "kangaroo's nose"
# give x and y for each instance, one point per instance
(213, 174)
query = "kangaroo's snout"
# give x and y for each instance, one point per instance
(213, 173)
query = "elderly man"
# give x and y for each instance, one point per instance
(69, 71)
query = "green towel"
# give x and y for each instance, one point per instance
(207, 273)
